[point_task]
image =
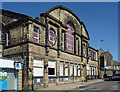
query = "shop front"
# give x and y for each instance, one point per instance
(9, 74)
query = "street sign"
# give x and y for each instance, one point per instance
(107, 67)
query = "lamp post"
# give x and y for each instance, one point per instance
(99, 60)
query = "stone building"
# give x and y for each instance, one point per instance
(92, 65)
(116, 66)
(54, 47)
(106, 63)
(106, 59)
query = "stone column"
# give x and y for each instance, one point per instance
(46, 72)
(57, 71)
(30, 72)
(73, 72)
(19, 79)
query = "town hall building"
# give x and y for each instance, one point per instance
(54, 47)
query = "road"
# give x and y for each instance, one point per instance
(104, 86)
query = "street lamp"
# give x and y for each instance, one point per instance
(99, 60)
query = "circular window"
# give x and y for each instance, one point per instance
(52, 36)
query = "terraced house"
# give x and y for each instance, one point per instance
(54, 47)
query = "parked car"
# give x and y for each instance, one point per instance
(116, 76)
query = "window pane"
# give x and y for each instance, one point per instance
(51, 36)
(51, 71)
(36, 35)
(69, 39)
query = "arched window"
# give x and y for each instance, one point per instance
(52, 36)
(70, 38)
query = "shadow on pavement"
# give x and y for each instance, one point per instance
(110, 79)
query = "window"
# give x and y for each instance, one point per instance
(78, 70)
(71, 70)
(83, 49)
(90, 54)
(62, 40)
(70, 39)
(7, 38)
(51, 71)
(94, 56)
(51, 68)
(36, 35)
(77, 46)
(38, 67)
(61, 68)
(66, 69)
(75, 70)
(52, 36)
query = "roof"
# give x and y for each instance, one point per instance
(22, 15)
(64, 8)
(93, 48)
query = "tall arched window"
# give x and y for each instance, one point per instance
(70, 39)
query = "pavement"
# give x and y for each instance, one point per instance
(70, 86)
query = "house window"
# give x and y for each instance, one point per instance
(51, 68)
(83, 49)
(36, 35)
(52, 36)
(7, 38)
(77, 46)
(70, 39)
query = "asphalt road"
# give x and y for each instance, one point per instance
(104, 86)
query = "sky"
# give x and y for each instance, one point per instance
(100, 19)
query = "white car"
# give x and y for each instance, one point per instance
(116, 77)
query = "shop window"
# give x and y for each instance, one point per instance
(71, 69)
(51, 71)
(38, 67)
(75, 70)
(61, 68)
(70, 39)
(52, 36)
(78, 70)
(7, 38)
(51, 68)
(66, 69)
(36, 35)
